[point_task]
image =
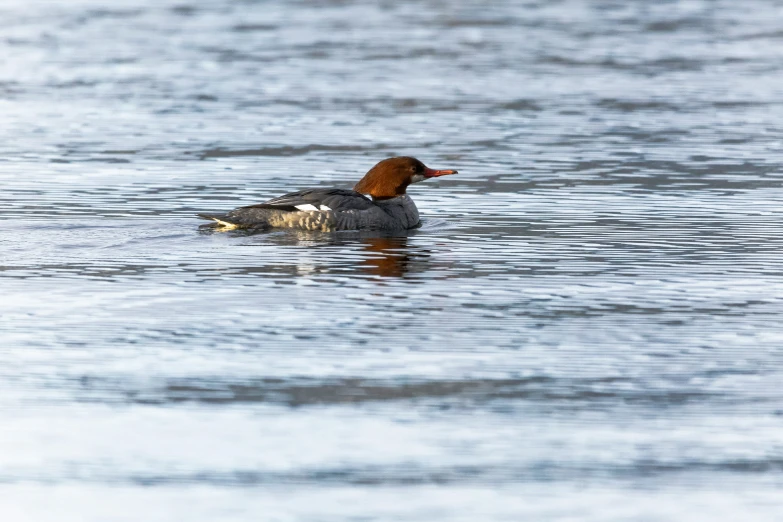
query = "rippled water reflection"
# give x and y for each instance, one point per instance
(586, 326)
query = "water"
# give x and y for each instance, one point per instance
(586, 327)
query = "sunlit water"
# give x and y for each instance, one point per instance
(586, 327)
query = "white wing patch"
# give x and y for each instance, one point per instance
(307, 207)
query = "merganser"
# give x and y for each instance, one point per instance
(390, 208)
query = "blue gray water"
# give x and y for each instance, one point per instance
(587, 327)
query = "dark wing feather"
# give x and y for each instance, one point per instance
(335, 199)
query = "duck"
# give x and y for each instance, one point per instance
(377, 202)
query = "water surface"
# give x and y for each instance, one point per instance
(586, 326)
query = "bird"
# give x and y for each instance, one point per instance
(377, 202)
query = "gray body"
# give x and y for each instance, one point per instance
(326, 211)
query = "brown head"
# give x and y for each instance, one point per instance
(390, 177)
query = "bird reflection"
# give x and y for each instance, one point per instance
(391, 257)
(380, 256)
(365, 253)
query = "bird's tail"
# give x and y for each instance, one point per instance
(222, 221)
